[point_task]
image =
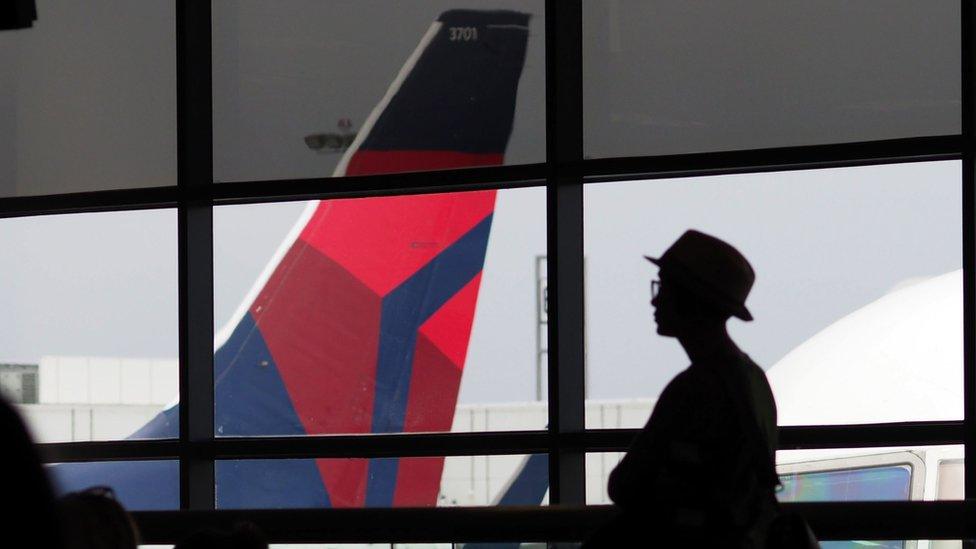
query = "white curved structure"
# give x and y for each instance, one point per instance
(899, 358)
(896, 359)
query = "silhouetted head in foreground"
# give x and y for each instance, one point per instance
(703, 282)
(31, 511)
(243, 536)
(94, 519)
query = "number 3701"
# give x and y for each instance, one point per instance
(463, 34)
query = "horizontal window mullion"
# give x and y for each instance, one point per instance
(908, 520)
(95, 201)
(332, 446)
(603, 169)
(110, 450)
(922, 433)
(487, 177)
(485, 443)
(405, 525)
(382, 445)
(918, 149)
(830, 521)
(493, 177)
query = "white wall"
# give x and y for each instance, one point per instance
(99, 380)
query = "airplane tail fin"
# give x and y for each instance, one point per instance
(361, 321)
(367, 317)
(452, 104)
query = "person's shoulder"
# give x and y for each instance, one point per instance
(696, 382)
(753, 368)
(747, 363)
(689, 377)
(759, 381)
(745, 359)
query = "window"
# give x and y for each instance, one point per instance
(538, 149)
(88, 101)
(91, 322)
(857, 301)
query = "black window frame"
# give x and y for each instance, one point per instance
(564, 173)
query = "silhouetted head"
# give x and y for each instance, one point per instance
(703, 281)
(31, 511)
(93, 519)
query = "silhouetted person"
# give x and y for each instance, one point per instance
(94, 519)
(30, 516)
(695, 476)
(244, 536)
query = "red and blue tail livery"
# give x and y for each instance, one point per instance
(361, 321)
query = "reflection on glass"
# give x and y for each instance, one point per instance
(457, 83)
(870, 483)
(686, 77)
(138, 485)
(857, 474)
(88, 98)
(383, 482)
(871, 474)
(895, 544)
(890, 544)
(863, 474)
(858, 284)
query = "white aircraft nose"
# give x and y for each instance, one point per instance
(899, 358)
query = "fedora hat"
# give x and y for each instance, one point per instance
(711, 268)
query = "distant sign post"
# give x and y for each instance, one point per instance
(541, 326)
(542, 330)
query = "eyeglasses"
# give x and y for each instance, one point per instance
(655, 288)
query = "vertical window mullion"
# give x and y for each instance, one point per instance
(968, 71)
(969, 241)
(195, 227)
(564, 205)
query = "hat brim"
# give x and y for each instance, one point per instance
(737, 310)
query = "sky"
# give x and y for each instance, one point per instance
(823, 243)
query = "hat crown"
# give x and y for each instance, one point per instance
(713, 263)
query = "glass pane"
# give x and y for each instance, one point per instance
(951, 481)
(598, 468)
(885, 477)
(853, 474)
(857, 300)
(673, 77)
(508, 545)
(377, 315)
(866, 474)
(337, 546)
(312, 89)
(900, 544)
(885, 483)
(514, 545)
(138, 485)
(89, 331)
(88, 98)
(383, 482)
